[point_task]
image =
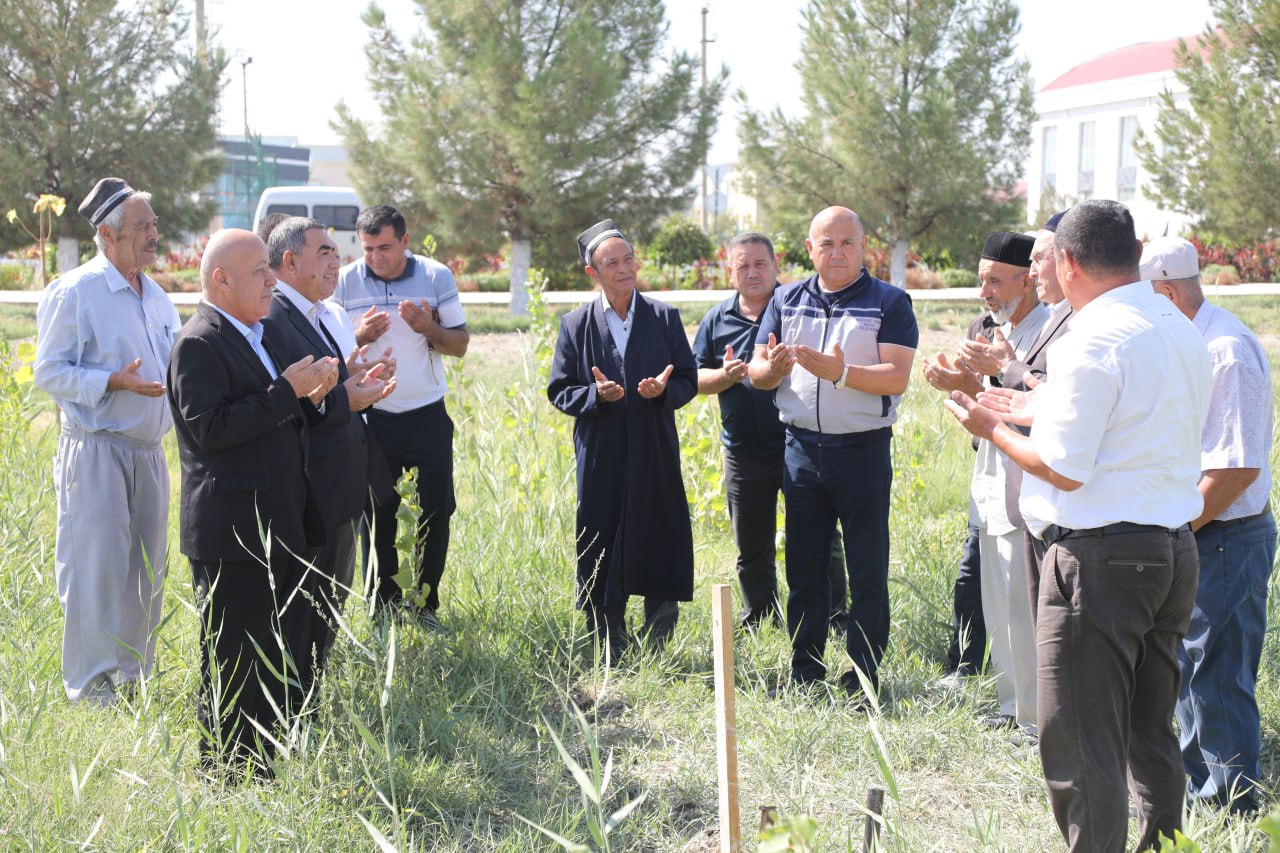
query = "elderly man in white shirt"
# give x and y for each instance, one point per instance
(104, 334)
(1115, 461)
(1236, 536)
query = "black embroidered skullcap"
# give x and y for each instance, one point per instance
(1052, 223)
(594, 236)
(1008, 247)
(107, 195)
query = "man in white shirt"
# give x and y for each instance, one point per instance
(1115, 458)
(1236, 537)
(104, 334)
(423, 321)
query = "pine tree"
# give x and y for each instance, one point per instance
(916, 114)
(1219, 161)
(88, 90)
(529, 120)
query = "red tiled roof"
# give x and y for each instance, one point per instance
(1131, 61)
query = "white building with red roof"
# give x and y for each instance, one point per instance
(1087, 119)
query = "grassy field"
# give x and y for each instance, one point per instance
(445, 741)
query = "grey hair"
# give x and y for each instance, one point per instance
(290, 236)
(115, 220)
(1190, 288)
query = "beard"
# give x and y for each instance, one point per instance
(1004, 312)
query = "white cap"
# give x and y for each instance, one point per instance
(1167, 258)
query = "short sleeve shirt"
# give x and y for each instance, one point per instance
(749, 421)
(861, 316)
(1237, 433)
(420, 375)
(1122, 414)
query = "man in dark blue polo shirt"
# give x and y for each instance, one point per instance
(751, 431)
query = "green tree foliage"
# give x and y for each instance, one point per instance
(90, 89)
(680, 241)
(1219, 161)
(916, 114)
(528, 120)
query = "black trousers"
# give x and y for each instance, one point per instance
(420, 438)
(257, 628)
(751, 485)
(968, 627)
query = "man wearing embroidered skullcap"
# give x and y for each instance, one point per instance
(104, 334)
(1114, 459)
(838, 347)
(1004, 271)
(1235, 535)
(622, 366)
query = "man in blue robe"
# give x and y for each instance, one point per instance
(622, 367)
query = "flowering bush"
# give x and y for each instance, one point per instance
(1255, 262)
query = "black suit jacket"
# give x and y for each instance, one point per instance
(242, 441)
(1036, 361)
(340, 462)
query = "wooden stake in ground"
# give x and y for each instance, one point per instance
(726, 718)
(871, 826)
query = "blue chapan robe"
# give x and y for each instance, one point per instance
(633, 528)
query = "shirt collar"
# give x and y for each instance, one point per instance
(301, 302)
(115, 279)
(409, 267)
(1204, 316)
(253, 334)
(604, 300)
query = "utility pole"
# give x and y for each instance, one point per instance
(202, 33)
(705, 41)
(244, 72)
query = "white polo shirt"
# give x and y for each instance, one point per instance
(1237, 433)
(420, 374)
(1122, 414)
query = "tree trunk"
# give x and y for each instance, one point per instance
(521, 259)
(68, 254)
(898, 264)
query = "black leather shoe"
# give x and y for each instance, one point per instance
(997, 722)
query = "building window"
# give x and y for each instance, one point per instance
(1049, 160)
(1084, 175)
(1127, 172)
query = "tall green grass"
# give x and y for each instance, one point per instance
(446, 740)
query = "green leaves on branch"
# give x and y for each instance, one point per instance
(511, 120)
(916, 115)
(99, 88)
(1219, 161)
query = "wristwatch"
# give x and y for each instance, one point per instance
(844, 374)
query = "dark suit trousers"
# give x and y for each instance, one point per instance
(751, 485)
(423, 439)
(1113, 610)
(967, 621)
(255, 639)
(335, 565)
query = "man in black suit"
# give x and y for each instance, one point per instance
(248, 520)
(305, 261)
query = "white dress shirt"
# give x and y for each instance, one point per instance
(1122, 414)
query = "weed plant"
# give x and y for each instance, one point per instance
(452, 740)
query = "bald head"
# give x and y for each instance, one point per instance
(837, 245)
(234, 275)
(835, 215)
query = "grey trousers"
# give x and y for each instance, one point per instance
(109, 558)
(1111, 614)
